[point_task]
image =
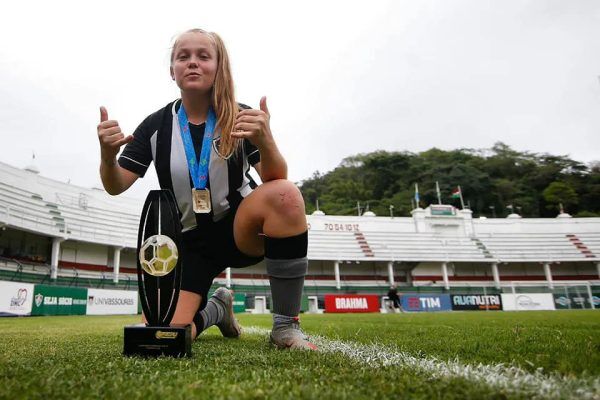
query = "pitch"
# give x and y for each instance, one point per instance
(422, 356)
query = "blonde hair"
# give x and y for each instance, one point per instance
(223, 95)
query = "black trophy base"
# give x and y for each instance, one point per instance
(153, 341)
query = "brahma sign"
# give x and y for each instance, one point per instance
(351, 303)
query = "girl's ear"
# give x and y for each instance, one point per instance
(172, 74)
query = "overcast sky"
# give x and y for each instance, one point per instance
(341, 77)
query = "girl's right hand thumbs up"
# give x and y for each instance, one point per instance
(110, 136)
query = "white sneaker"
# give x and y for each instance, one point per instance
(291, 337)
(228, 326)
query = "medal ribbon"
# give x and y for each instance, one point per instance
(198, 169)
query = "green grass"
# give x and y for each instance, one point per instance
(80, 357)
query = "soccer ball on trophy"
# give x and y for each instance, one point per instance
(158, 255)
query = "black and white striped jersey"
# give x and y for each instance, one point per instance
(158, 140)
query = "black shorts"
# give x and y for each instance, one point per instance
(208, 250)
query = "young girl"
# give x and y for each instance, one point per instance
(202, 146)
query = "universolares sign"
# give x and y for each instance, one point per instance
(472, 302)
(107, 302)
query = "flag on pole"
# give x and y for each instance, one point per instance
(437, 190)
(457, 193)
(417, 195)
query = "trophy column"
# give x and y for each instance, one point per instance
(159, 281)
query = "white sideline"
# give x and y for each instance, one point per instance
(507, 378)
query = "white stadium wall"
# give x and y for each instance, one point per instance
(85, 253)
(71, 227)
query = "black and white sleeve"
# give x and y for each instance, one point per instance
(137, 155)
(251, 151)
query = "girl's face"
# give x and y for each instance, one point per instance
(194, 63)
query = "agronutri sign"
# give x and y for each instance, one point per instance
(476, 302)
(351, 303)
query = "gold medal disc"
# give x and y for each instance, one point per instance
(201, 200)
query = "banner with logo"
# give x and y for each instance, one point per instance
(527, 301)
(425, 302)
(15, 298)
(106, 302)
(575, 301)
(59, 300)
(239, 302)
(351, 303)
(468, 302)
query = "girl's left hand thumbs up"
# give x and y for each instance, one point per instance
(254, 125)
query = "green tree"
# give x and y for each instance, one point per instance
(532, 183)
(560, 192)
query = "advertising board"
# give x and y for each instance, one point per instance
(527, 301)
(351, 303)
(239, 302)
(16, 298)
(476, 302)
(59, 300)
(425, 302)
(106, 302)
(575, 301)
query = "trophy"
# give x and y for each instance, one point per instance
(159, 281)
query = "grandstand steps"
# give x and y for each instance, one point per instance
(580, 246)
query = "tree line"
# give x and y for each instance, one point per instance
(494, 182)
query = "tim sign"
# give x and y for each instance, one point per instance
(425, 302)
(351, 303)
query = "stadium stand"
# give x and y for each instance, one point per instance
(53, 232)
(545, 247)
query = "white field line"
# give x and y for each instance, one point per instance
(506, 378)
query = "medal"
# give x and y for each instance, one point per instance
(201, 201)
